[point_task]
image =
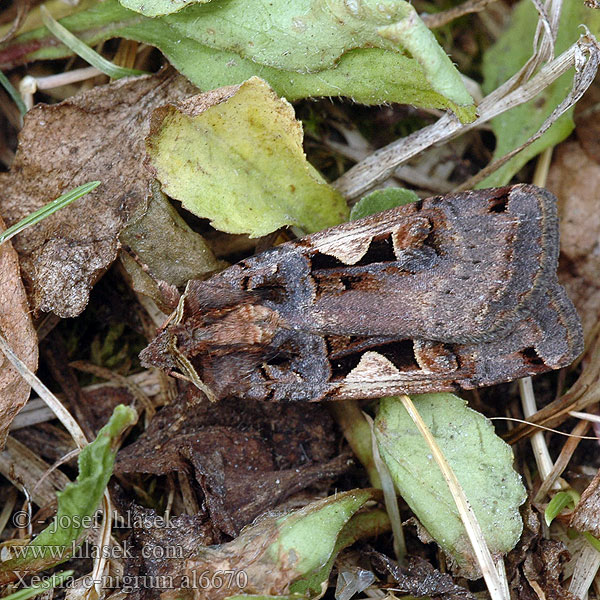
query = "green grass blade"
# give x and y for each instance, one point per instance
(8, 86)
(562, 500)
(83, 50)
(48, 209)
(30, 592)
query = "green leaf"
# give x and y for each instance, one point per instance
(155, 8)
(381, 200)
(593, 541)
(15, 96)
(505, 58)
(77, 503)
(84, 51)
(481, 461)
(235, 157)
(559, 502)
(305, 36)
(277, 551)
(370, 75)
(361, 526)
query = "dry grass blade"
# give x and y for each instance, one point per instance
(582, 80)
(62, 414)
(136, 391)
(443, 18)
(497, 587)
(27, 471)
(538, 442)
(563, 460)
(587, 562)
(585, 392)
(389, 495)
(380, 165)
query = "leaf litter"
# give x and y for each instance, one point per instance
(97, 135)
(268, 491)
(17, 326)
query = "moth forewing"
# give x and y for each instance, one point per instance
(450, 292)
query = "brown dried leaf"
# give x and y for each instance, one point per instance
(98, 135)
(586, 516)
(168, 252)
(247, 456)
(17, 328)
(534, 567)
(239, 483)
(543, 570)
(575, 178)
(156, 546)
(420, 579)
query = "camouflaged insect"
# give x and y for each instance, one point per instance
(448, 293)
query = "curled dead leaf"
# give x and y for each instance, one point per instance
(586, 516)
(97, 135)
(17, 328)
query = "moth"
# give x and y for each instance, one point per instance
(448, 293)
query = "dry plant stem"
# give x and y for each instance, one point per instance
(24, 469)
(100, 561)
(22, 12)
(585, 571)
(379, 165)
(53, 81)
(187, 494)
(9, 504)
(585, 416)
(562, 461)
(126, 54)
(542, 167)
(443, 18)
(582, 80)
(36, 411)
(358, 434)
(61, 461)
(538, 443)
(389, 495)
(497, 587)
(62, 414)
(77, 434)
(136, 391)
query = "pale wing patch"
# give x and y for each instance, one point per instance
(348, 249)
(372, 366)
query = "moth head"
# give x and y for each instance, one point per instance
(159, 353)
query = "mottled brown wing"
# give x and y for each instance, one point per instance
(451, 292)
